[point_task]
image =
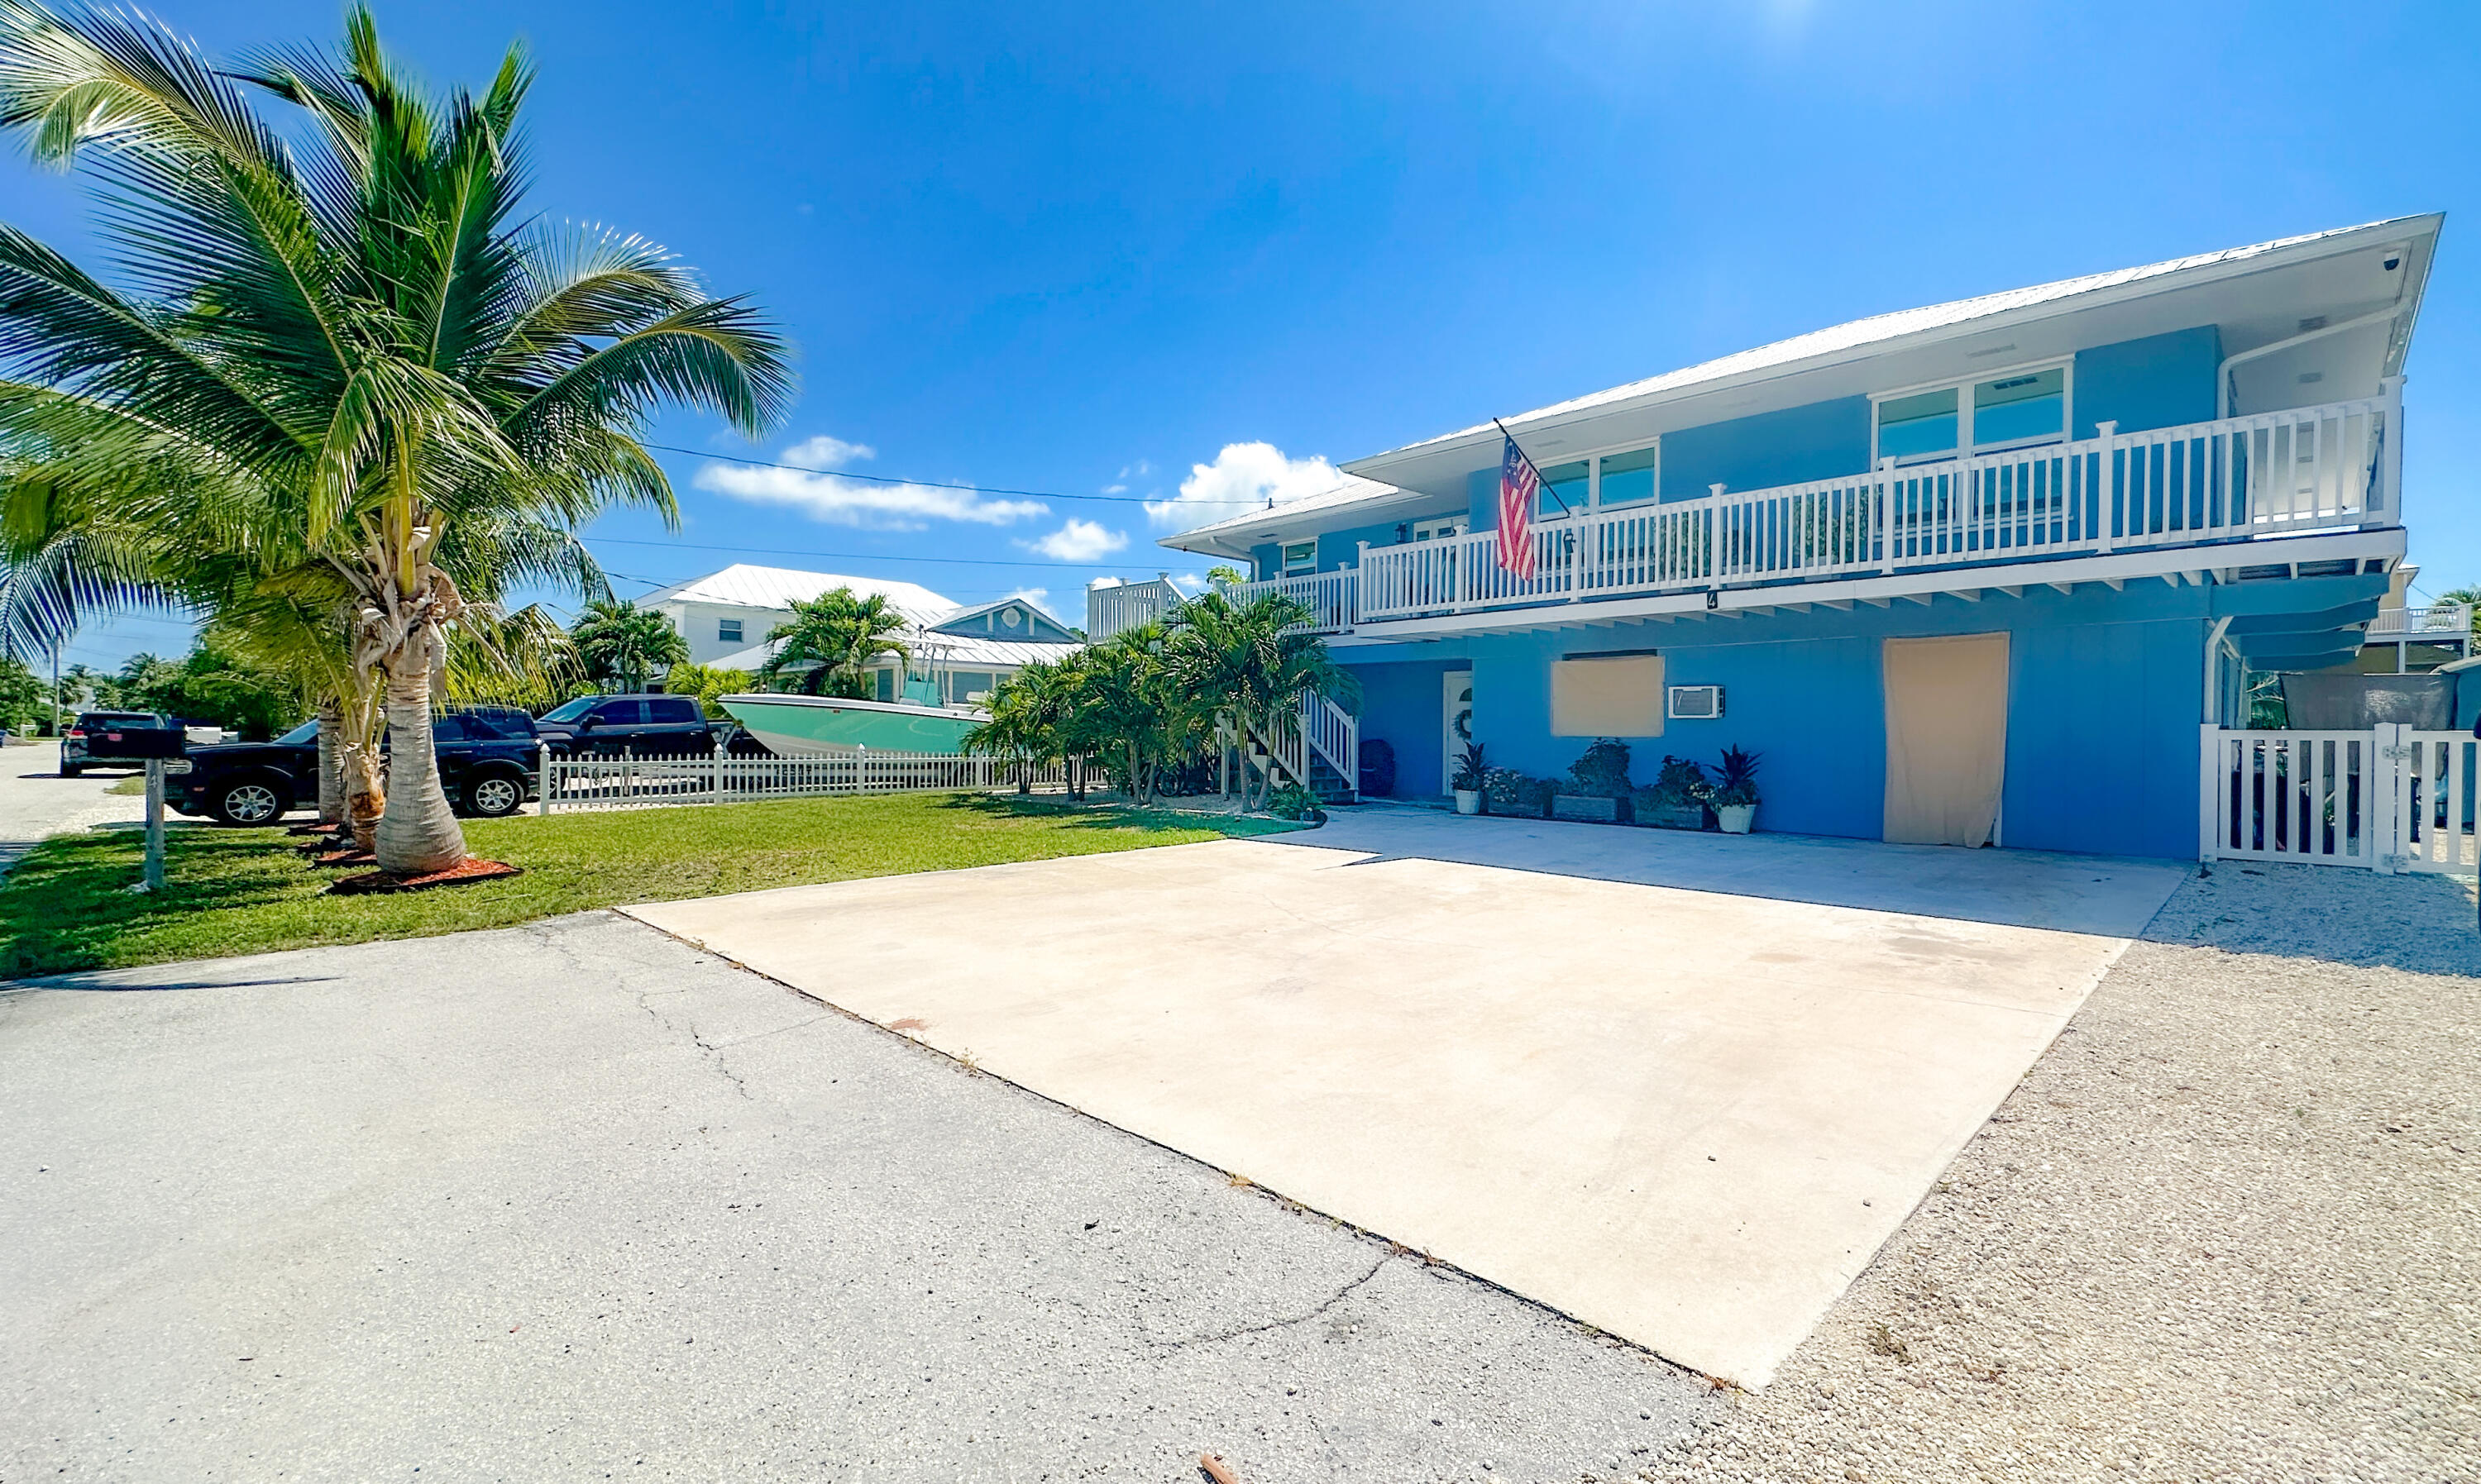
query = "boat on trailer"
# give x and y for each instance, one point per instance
(817, 725)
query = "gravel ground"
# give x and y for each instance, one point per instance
(2224, 1230)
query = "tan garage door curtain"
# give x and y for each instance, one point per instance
(1946, 737)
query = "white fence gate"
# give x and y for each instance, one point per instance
(2391, 799)
(626, 782)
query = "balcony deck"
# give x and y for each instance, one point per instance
(2226, 484)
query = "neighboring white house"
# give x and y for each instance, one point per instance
(960, 651)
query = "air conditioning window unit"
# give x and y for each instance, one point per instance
(1695, 703)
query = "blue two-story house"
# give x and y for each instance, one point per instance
(1971, 574)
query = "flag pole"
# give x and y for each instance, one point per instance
(1529, 458)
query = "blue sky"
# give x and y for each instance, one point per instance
(1084, 251)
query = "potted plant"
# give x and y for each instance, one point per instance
(1472, 776)
(1677, 797)
(1597, 785)
(1735, 795)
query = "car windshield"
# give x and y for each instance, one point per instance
(307, 731)
(570, 711)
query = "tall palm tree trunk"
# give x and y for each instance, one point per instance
(331, 767)
(364, 769)
(419, 832)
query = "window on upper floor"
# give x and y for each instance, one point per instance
(1566, 489)
(1300, 559)
(1438, 528)
(1628, 478)
(728, 631)
(2009, 412)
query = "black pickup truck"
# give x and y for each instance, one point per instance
(487, 761)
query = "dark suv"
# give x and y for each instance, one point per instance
(642, 725)
(486, 763)
(94, 738)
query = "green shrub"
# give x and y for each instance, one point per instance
(1504, 788)
(1602, 772)
(1290, 801)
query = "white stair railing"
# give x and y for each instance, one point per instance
(1334, 734)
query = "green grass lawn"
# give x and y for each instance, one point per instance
(67, 906)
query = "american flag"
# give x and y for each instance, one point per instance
(1520, 487)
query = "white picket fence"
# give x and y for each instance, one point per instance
(626, 782)
(2392, 798)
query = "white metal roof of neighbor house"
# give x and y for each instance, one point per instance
(1837, 344)
(953, 651)
(743, 585)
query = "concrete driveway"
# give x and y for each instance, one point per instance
(572, 1201)
(1679, 1087)
(37, 801)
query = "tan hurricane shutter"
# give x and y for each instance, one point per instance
(1946, 737)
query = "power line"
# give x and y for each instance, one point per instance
(979, 489)
(778, 551)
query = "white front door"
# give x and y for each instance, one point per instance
(1457, 699)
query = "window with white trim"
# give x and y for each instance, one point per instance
(1300, 559)
(728, 631)
(1567, 489)
(2020, 409)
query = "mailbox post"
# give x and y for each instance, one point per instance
(162, 748)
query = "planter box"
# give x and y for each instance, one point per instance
(1676, 817)
(1594, 811)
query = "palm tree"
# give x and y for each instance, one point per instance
(1253, 661)
(1130, 707)
(619, 640)
(340, 361)
(840, 636)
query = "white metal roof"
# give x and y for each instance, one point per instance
(1352, 491)
(1878, 329)
(1841, 344)
(743, 585)
(953, 651)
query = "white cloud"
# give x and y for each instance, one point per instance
(1243, 477)
(825, 453)
(1077, 540)
(815, 490)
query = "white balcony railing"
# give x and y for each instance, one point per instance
(1111, 611)
(2444, 621)
(2267, 474)
(1327, 595)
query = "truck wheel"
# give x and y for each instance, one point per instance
(249, 801)
(71, 770)
(494, 797)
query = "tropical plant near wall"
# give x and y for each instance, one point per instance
(1133, 710)
(709, 684)
(831, 641)
(620, 643)
(1253, 661)
(340, 358)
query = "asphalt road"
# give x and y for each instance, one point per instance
(578, 1201)
(35, 800)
